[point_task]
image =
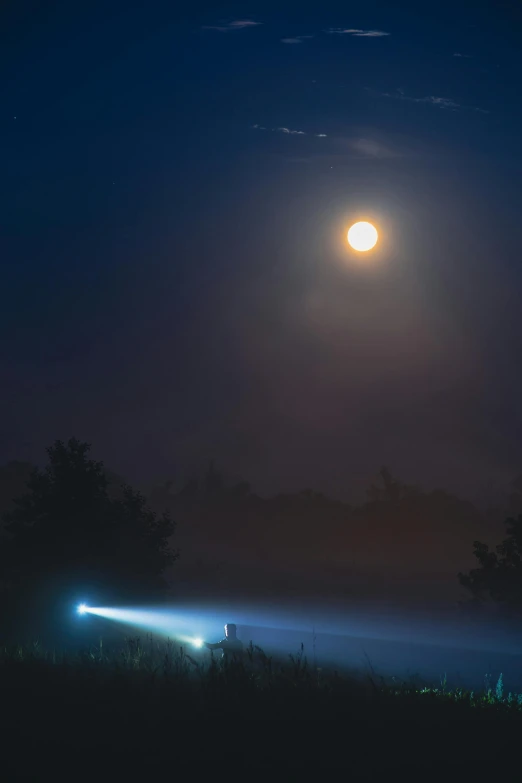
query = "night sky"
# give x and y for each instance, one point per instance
(176, 286)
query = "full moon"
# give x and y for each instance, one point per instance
(362, 236)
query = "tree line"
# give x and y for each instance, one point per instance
(70, 527)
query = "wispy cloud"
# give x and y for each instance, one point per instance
(371, 148)
(433, 100)
(364, 144)
(289, 131)
(356, 33)
(237, 24)
(459, 54)
(296, 39)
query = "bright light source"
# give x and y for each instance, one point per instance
(197, 642)
(82, 608)
(362, 236)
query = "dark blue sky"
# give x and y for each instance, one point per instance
(174, 283)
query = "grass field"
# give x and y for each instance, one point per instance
(155, 705)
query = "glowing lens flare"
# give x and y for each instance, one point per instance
(197, 642)
(362, 236)
(82, 609)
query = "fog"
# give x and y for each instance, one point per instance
(365, 639)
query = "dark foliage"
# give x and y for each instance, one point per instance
(499, 574)
(67, 524)
(154, 709)
(391, 489)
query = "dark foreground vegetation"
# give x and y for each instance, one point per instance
(146, 709)
(143, 703)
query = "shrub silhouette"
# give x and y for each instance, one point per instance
(499, 574)
(68, 527)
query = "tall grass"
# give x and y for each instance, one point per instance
(156, 675)
(192, 716)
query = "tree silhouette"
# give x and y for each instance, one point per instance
(68, 525)
(391, 490)
(499, 575)
(13, 483)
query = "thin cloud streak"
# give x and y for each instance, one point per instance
(289, 131)
(296, 39)
(365, 147)
(434, 100)
(237, 24)
(356, 33)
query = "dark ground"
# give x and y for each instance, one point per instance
(84, 722)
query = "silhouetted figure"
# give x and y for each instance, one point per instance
(231, 646)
